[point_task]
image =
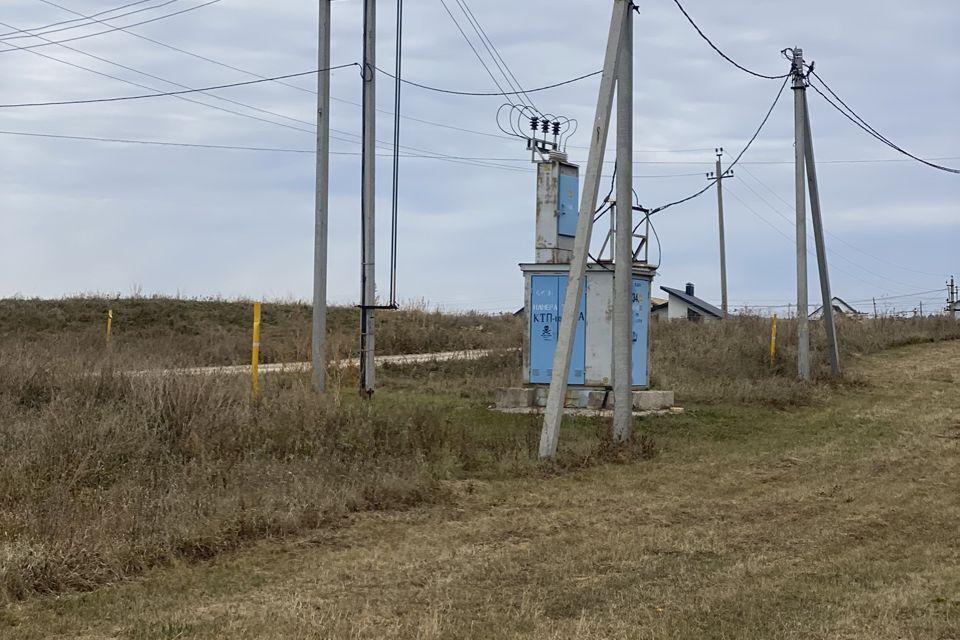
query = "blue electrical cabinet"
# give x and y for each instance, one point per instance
(547, 293)
(640, 375)
(568, 207)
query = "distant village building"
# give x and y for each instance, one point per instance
(684, 305)
(840, 308)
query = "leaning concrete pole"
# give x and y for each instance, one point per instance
(550, 436)
(803, 323)
(321, 203)
(833, 349)
(623, 267)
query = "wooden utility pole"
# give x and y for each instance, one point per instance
(550, 436)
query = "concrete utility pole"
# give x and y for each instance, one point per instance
(953, 305)
(833, 350)
(803, 324)
(623, 267)
(321, 212)
(368, 199)
(719, 176)
(550, 435)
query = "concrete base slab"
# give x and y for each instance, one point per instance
(590, 399)
(589, 413)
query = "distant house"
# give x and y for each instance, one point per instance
(684, 305)
(840, 308)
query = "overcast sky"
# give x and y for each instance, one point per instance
(86, 216)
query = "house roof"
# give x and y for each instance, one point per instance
(694, 301)
(840, 306)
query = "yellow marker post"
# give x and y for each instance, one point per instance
(773, 342)
(255, 359)
(109, 326)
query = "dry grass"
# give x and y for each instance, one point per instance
(165, 332)
(728, 362)
(103, 476)
(836, 521)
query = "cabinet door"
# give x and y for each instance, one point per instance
(546, 304)
(568, 205)
(641, 333)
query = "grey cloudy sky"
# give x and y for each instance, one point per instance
(82, 216)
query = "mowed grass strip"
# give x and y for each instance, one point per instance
(836, 520)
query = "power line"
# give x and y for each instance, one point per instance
(853, 117)
(225, 65)
(175, 93)
(18, 35)
(475, 161)
(482, 94)
(156, 77)
(753, 139)
(722, 54)
(483, 63)
(91, 16)
(835, 254)
(833, 235)
(112, 29)
(789, 239)
(424, 155)
(494, 53)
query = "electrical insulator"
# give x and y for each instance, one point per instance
(534, 124)
(556, 128)
(545, 126)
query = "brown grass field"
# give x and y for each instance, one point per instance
(173, 508)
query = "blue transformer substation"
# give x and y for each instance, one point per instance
(591, 369)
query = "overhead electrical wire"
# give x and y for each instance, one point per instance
(480, 94)
(113, 29)
(514, 91)
(18, 35)
(839, 239)
(721, 53)
(310, 130)
(853, 117)
(841, 256)
(225, 65)
(746, 148)
(161, 79)
(82, 17)
(810, 251)
(161, 94)
(248, 72)
(498, 59)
